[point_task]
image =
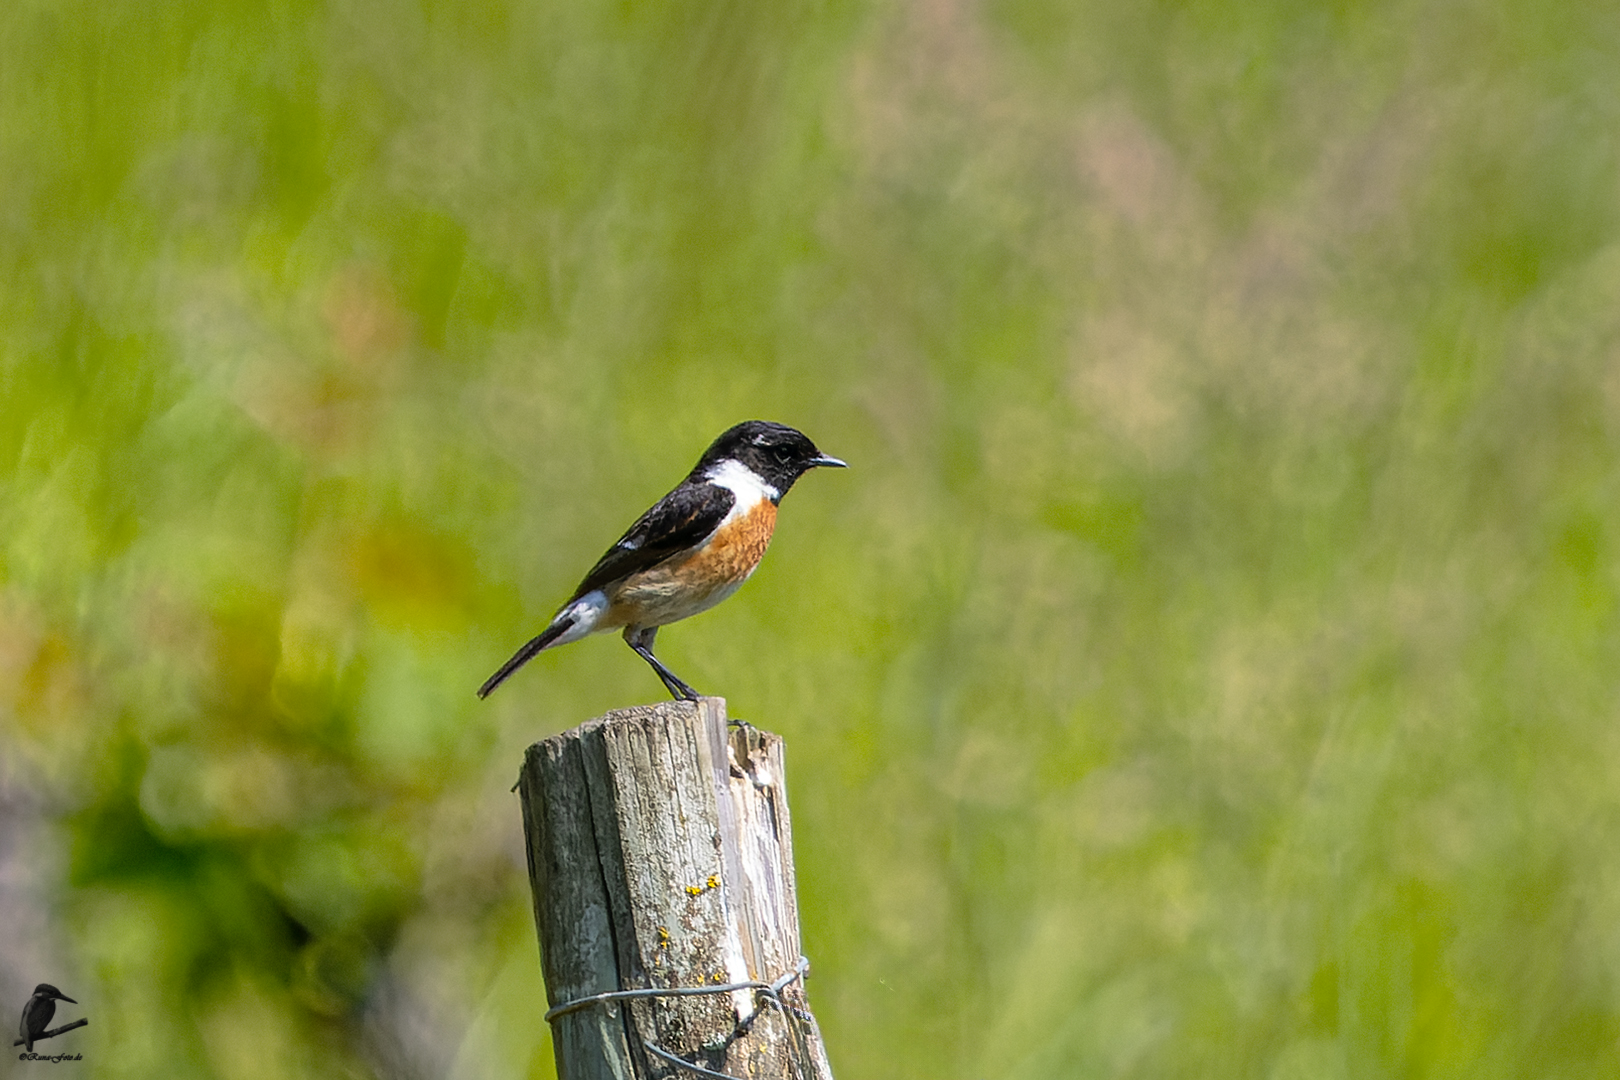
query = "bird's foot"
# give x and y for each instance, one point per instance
(678, 689)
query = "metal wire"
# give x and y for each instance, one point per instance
(683, 1063)
(771, 990)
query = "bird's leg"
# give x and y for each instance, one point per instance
(640, 638)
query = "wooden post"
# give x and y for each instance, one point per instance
(661, 859)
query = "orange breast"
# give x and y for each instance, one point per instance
(735, 549)
(683, 587)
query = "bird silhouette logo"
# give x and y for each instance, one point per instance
(36, 1017)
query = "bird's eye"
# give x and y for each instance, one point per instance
(782, 454)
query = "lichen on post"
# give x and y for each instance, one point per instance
(661, 859)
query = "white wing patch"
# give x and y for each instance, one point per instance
(742, 482)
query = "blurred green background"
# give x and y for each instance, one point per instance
(1207, 669)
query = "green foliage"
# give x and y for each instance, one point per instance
(1208, 668)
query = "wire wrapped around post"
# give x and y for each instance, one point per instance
(661, 861)
(772, 991)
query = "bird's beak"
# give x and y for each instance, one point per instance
(64, 997)
(830, 462)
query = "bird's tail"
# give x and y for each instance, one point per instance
(547, 637)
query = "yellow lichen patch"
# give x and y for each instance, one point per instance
(708, 886)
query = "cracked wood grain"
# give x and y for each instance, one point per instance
(661, 855)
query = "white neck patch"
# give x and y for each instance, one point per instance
(742, 482)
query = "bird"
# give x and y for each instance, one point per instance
(36, 1015)
(691, 550)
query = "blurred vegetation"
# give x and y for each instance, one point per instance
(1207, 669)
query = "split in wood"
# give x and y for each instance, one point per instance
(660, 852)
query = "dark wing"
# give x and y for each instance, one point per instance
(680, 520)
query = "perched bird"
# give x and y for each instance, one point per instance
(689, 552)
(36, 1015)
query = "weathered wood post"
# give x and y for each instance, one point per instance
(661, 862)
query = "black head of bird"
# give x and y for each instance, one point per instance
(36, 1015)
(775, 453)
